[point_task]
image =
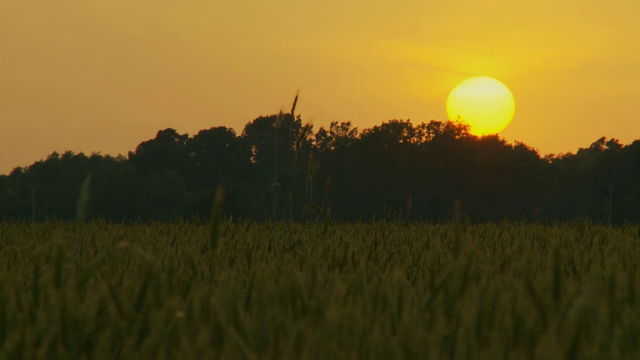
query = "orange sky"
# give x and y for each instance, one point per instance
(104, 75)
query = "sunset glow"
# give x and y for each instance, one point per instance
(106, 75)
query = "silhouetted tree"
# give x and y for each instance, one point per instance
(217, 156)
(280, 147)
(277, 163)
(167, 151)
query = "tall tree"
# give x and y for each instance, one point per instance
(168, 150)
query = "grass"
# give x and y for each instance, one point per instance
(379, 290)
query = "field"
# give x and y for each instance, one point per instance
(377, 290)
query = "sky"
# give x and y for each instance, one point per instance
(105, 75)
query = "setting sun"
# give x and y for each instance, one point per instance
(482, 102)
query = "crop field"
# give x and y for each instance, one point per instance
(322, 291)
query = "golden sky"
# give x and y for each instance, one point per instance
(104, 75)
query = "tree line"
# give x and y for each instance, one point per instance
(279, 168)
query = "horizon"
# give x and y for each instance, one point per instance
(239, 134)
(105, 76)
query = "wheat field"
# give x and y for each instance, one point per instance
(319, 291)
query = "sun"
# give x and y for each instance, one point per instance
(482, 102)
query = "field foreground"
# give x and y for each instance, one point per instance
(380, 290)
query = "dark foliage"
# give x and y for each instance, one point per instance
(278, 168)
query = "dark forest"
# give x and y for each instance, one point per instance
(278, 168)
